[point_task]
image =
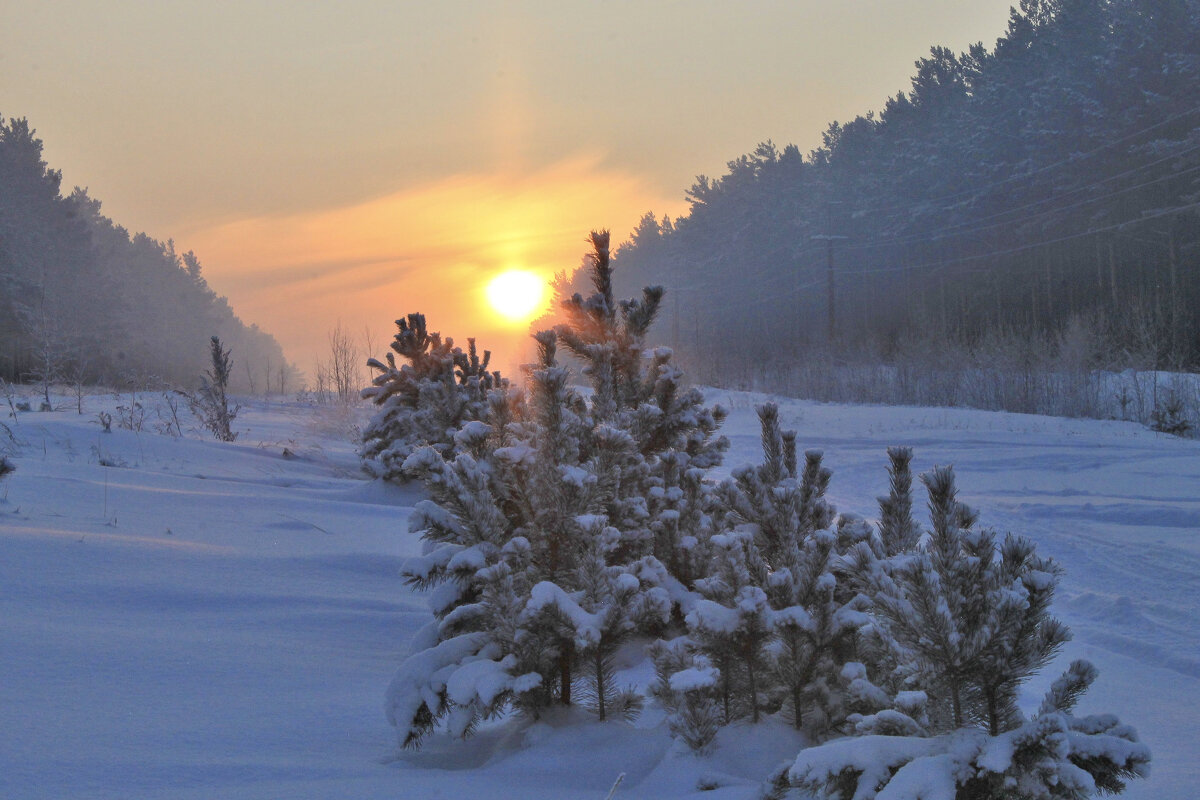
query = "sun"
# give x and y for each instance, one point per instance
(516, 294)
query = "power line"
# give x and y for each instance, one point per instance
(1072, 159)
(1021, 248)
(1092, 185)
(944, 233)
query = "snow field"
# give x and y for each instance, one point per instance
(220, 620)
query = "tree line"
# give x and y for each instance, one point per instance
(1051, 180)
(83, 300)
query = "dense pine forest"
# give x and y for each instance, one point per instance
(81, 300)
(1035, 202)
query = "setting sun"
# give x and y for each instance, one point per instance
(516, 294)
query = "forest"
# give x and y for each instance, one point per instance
(1030, 202)
(84, 301)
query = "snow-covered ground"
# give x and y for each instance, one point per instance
(203, 620)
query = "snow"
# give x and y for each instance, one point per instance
(714, 617)
(693, 678)
(874, 756)
(217, 620)
(551, 595)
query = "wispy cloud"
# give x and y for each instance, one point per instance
(428, 248)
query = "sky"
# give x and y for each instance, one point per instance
(352, 162)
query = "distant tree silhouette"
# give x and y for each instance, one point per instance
(121, 305)
(1051, 177)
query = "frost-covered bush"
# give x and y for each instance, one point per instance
(425, 399)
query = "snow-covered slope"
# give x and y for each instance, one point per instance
(219, 620)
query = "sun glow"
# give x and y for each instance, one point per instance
(516, 294)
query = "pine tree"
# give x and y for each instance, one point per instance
(609, 336)
(521, 554)
(1052, 756)
(777, 622)
(732, 624)
(897, 528)
(547, 518)
(966, 623)
(425, 399)
(686, 684)
(645, 398)
(682, 509)
(781, 505)
(971, 621)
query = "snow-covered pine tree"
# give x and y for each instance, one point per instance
(898, 530)
(642, 394)
(971, 621)
(1052, 756)
(776, 622)
(686, 684)
(529, 595)
(542, 547)
(967, 623)
(816, 609)
(818, 616)
(863, 566)
(610, 594)
(425, 399)
(732, 624)
(780, 505)
(609, 336)
(682, 511)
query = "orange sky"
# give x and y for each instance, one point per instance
(356, 161)
(430, 248)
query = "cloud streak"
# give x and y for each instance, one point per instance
(428, 248)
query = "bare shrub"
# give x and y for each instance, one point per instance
(344, 373)
(210, 403)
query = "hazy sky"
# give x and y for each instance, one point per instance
(359, 160)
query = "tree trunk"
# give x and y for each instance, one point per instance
(749, 659)
(993, 713)
(601, 689)
(564, 673)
